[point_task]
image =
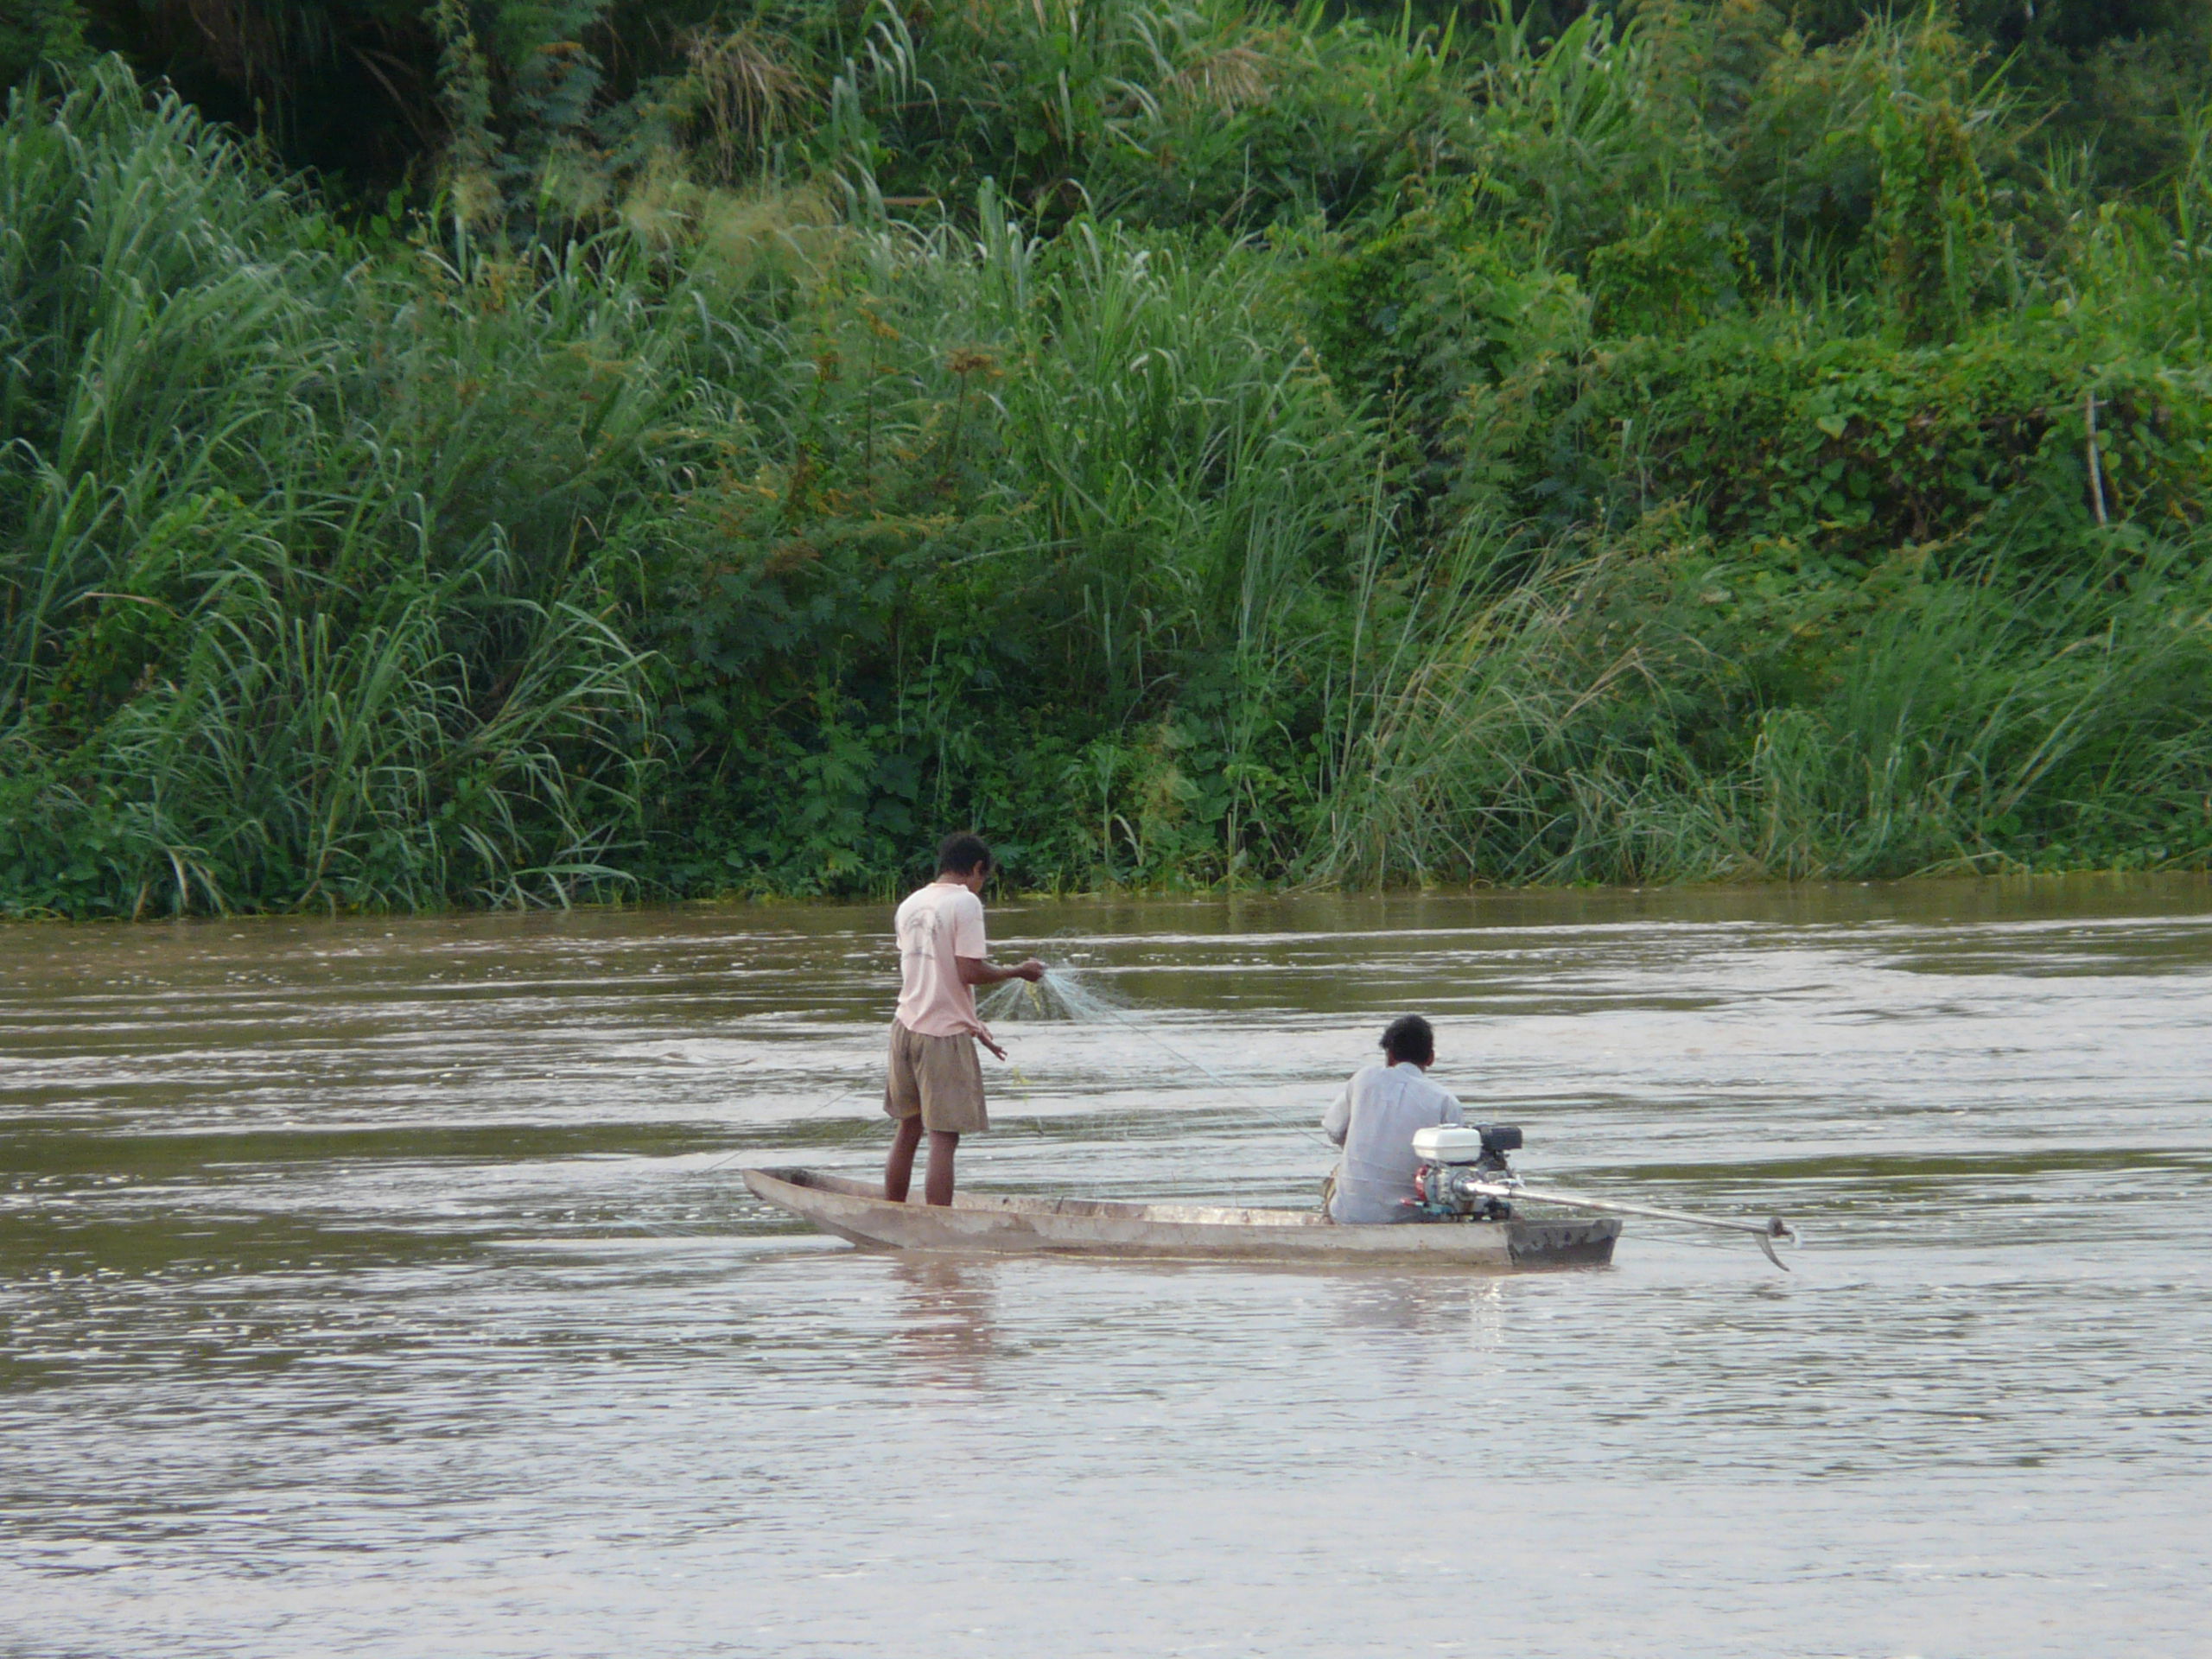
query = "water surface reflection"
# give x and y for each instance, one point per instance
(382, 1287)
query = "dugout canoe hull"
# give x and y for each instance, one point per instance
(1003, 1224)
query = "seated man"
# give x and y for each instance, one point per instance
(1373, 1120)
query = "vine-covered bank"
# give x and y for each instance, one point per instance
(497, 454)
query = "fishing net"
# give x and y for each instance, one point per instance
(1065, 994)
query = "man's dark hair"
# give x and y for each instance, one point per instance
(1409, 1037)
(962, 855)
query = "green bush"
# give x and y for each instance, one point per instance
(1022, 522)
(40, 33)
(306, 565)
(697, 448)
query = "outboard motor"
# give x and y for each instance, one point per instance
(1457, 1159)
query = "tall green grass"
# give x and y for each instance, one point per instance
(1596, 724)
(305, 586)
(1009, 521)
(1280, 451)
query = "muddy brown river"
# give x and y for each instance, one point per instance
(384, 1288)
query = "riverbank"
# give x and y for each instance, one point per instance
(1684, 451)
(1075, 916)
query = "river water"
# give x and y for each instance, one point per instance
(383, 1288)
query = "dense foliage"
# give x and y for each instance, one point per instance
(696, 449)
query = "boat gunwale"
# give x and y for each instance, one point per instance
(1020, 1203)
(1001, 1224)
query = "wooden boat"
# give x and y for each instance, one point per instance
(997, 1223)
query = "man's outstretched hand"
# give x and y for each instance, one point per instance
(975, 970)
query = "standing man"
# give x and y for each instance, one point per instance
(1373, 1120)
(936, 1083)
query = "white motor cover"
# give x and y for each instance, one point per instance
(1447, 1144)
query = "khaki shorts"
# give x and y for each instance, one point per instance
(941, 1077)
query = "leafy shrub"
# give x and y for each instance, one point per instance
(296, 609)
(1193, 445)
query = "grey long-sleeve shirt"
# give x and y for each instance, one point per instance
(1373, 1120)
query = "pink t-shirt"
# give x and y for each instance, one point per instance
(940, 922)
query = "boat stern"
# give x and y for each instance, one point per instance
(1562, 1242)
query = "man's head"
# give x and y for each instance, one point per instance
(1409, 1037)
(965, 859)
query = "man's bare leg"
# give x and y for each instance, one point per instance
(936, 1186)
(899, 1167)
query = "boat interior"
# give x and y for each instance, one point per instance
(1100, 1209)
